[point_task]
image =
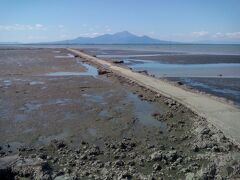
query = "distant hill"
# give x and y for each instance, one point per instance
(118, 38)
(8, 43)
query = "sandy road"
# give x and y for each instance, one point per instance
(224, 116)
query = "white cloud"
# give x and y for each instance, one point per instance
(228, 35)
(92, 34)
(39, 26)
(60, 26)
(22, 27)
(233, 35)
(199, 34)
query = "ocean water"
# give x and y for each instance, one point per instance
(223, 70)
(221, 49)
(218, 79)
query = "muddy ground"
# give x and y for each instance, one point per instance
(59, 119)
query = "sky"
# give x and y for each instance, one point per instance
(175, 20)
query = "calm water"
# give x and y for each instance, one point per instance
(90, 71)
(219, 79)
(177, 48)
(225, 70)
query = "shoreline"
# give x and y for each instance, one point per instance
(212, 113)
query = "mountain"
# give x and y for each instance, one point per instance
(9, 43)
(118, 38)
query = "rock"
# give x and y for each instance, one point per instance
(205, 131)
(143, 72)
(119, 163)
(195, 148)
(101, 71)
(156, 156)
(118, 62)
(209, 172)
(169, 114)
(58, 144)
(131, 163)
(84, 157)
(125, 175)
(171, 156)
(179, 83)
(7, 174)
(156, 114)
(43, 156)
(157, 167)
(94, 151)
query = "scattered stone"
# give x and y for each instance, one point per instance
(209, 172)
(179, 83)
(156, 156)
(143, 72)
(157, 167)
(57, 144)
(118, 62)
(119, 163)
(101, 72)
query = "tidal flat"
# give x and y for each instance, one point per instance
(63, 119)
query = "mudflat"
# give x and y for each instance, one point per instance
(61, 118)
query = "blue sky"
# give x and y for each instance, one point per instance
(178, 20)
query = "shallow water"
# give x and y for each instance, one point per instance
(186, 70)
(36, 83)
(223, 87)
(90, 71)
(65, 56)
(143, 110)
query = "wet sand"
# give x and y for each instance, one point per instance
(76, 124)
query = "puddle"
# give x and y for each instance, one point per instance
(143, 110)
(61, 102)
(92, 131)
(20, 118)
(7, 82)
(66, 56)
(94, 98)
(90, 71)
(36, 83)
(56, 51)
(32, 106)
(29, 107)
(104, 113)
